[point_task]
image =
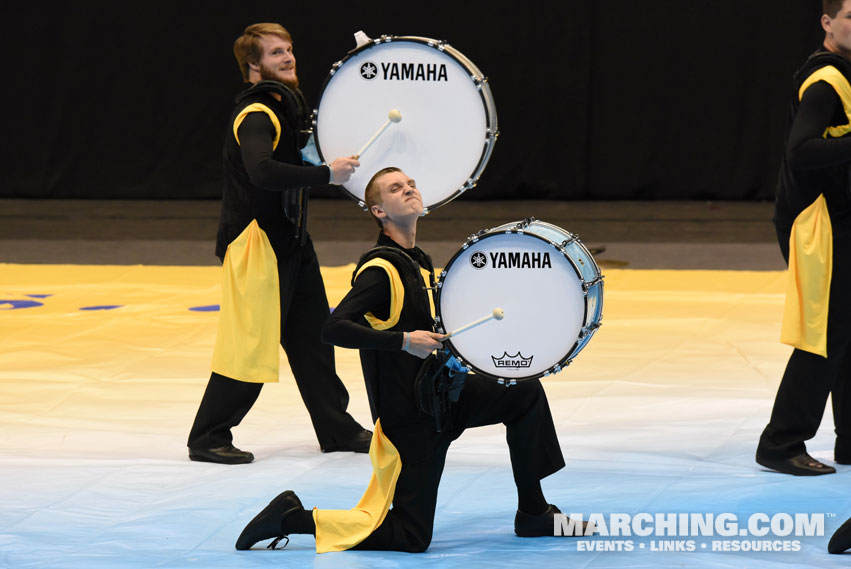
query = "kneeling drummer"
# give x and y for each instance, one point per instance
(387, 316)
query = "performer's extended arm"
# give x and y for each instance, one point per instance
(256, 137)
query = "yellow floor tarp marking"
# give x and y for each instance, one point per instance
(659, 327)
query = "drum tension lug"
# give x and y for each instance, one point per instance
(590, 329)
(474, 238)
(526, 223)
(567, 242)
(587, 285)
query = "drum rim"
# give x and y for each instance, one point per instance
(516, 228)
(474, 74)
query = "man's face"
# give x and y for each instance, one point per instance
(838, 29)
(278, 61)
(399, 196)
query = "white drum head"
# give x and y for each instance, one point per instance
(536, 286)
(448, 121)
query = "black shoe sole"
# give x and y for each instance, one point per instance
(235, 460)
(359, 446)
(361, 450)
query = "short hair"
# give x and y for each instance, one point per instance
(247, 48)
(371, 194)
(831, 7)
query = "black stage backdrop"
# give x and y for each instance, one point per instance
(646, 99)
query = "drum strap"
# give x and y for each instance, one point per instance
(294, 104)
(404, 261)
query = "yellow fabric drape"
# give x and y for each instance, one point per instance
(808, 280)
(258, 108)
(338, 530)
(397, 293)
(837, 80)
(249, 330)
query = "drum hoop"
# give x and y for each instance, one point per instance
(475, 76)
(562, 362)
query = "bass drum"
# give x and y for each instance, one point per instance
(548, 285)
(448, 125)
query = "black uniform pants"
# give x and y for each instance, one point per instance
(532, 445)
(809, 378)
(304, 309)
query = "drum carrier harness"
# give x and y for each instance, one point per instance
(441, 377)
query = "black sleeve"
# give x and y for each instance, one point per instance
(344, 328)
(806, 148)
(256, 136)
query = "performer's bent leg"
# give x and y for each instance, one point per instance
(409, 524)
(226, 401)
(530, 432)
(304, 307)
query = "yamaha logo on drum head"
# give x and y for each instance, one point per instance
(479, 260)
(368, 70)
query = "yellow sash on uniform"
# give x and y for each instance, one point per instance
(258, 108)
(808, 280)
(250, 320)
(832, 76)
(397, 293)
(338, 530)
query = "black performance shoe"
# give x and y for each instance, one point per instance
(543, 525)
(841, 540)
(268, 524)
(227, 454)
(800, 465)
(357, 443)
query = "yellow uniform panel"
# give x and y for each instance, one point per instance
(808, 280)
(250, 321)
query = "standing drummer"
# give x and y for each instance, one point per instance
(386, 315)
(266, 181)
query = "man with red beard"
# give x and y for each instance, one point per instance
(266, 180)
